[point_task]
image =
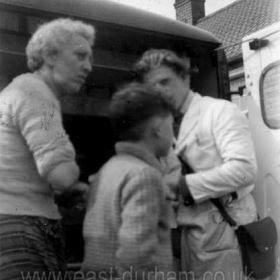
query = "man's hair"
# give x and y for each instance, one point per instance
(52, 36)
(132, 106)
(154, 58)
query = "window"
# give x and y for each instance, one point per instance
(33, 23)
(9, 21)
(270, 95)
(20, 22)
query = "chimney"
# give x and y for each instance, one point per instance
(189, 11)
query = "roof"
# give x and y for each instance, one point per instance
(239, 19)
(118, 14)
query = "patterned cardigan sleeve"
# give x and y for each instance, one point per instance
(39, 119)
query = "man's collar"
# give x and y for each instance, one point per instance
(185, 106)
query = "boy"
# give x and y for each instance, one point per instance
(126, 228)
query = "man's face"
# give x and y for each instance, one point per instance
(72, 65)
(169, 84)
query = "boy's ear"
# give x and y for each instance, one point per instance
(157, 128)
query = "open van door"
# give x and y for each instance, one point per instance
(261, 103)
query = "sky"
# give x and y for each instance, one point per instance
(166, 8)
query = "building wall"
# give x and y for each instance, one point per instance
(237, 78)
(189, 11)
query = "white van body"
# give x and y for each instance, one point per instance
(261, 103)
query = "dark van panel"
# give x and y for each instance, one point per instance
(122, 35)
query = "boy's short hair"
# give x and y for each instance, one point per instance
(132, 106)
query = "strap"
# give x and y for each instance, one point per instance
(186, 169)
(223, 212)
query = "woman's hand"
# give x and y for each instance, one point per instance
(76, 196)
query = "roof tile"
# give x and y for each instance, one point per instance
(239, 19)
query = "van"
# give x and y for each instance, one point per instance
(122, 35)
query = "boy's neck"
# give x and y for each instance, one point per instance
(148, 146)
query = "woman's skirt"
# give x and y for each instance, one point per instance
(31, 247)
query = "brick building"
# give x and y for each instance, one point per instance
(230, 25)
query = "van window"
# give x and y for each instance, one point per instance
(270, 95)
(19, 22)
(9, 21)
(33, 23)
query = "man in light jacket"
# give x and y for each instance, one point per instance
(214, 139)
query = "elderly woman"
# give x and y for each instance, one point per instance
(37, 160)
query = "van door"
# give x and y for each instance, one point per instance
(261, 102)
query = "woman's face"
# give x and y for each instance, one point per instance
(72, 65)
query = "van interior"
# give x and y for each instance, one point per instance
(122, 35)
